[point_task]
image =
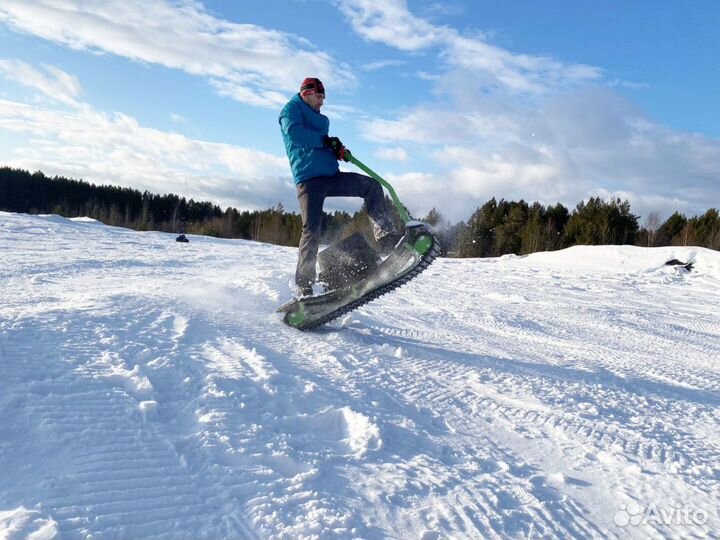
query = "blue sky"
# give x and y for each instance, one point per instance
(454, 102)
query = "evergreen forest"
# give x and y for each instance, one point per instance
(498, 227)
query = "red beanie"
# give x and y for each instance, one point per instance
(311, 85)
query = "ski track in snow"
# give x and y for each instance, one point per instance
(148, 390)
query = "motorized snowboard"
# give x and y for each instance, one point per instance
(413, 253)
(356, 275)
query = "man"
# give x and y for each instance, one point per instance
(313, 157)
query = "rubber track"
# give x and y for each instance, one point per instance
(426, 260)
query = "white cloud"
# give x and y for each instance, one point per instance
(568, 141)
(628, 84)
(54, 84)
(391, 22)
(392, 154)
(425, 76)
(178, 118)
(114, 148)
(381, 64)
(571, 147)
(239, 91)
(518, 73)
(435, 126)
(338, 112)
(565, 143)
(246, 62)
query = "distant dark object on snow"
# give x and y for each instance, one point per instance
(675, 262)
(182, 238)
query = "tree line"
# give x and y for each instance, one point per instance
(495, 228)
(21, 191)
(503, 227)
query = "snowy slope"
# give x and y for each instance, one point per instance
(148, 390)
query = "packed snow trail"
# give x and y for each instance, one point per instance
(148, 390)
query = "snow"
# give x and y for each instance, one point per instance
(148, 390)
(22, 523)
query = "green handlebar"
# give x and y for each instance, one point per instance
(400, 207)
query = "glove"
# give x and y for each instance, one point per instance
(336, 146)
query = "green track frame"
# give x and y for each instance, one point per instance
(367, 170)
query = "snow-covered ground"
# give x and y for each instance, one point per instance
(148, 390)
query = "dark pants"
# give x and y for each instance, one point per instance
(311, 196)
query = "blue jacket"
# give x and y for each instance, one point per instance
(303, 130)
